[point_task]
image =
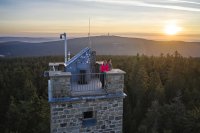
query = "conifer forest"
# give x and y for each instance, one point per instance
(163, 93)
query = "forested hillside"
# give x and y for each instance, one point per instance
(163, 94)
(103, 45)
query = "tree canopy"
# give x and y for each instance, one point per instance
(163, 94)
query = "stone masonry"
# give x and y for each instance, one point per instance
(86, 113)
(115, 81)
(60, 82)
(68, 116)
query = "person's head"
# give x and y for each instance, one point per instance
(109, 60)
(105, 62)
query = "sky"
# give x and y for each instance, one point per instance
(135, 18)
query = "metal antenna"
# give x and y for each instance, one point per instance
(90, 45)
(65, 43)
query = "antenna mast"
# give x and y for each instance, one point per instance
(90, 45)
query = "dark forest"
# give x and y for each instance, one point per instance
(163, 94)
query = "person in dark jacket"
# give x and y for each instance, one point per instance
(109, 65)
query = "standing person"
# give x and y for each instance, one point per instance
(103, 68)
(110, 65)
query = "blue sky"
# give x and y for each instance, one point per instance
(50, 17)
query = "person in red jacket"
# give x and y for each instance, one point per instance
(103, 68)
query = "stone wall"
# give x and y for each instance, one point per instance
(67, 117)
(115, 81)
(60, 84)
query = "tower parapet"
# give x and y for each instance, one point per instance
(115, 81)
(59, 84)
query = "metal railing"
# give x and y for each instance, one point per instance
(87, 82)
(83, 84)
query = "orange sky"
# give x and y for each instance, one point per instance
(128, 17)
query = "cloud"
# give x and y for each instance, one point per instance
(153, 5)
(184, 1)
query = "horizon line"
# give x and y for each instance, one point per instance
(48, 39)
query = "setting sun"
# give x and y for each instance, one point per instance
(172, 29)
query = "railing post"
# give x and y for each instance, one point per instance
(49, 90)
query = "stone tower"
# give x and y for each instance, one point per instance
(78, 101)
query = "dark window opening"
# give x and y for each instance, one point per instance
(88, 114)
(89, 119)
(82, 78)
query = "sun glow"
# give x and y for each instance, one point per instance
(172, 29)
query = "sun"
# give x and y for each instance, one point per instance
(172, 29)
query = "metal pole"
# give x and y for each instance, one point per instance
(68, 58)
(65, 50)
(90, 45)
(65, 47)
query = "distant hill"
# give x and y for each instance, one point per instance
(103, 45)
(28, 39)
